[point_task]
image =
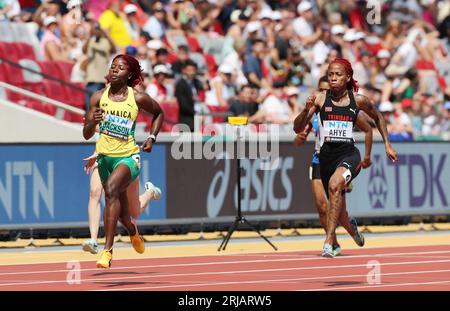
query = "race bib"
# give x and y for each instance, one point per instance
(115, 126)
(338, 131)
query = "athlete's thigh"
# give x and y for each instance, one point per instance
(120, 178)
(352, 165)
(340, 177)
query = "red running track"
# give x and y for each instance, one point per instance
(399, 268)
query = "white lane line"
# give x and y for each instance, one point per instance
(295, 280)
(313, 257)
(369, 286)
(293, 253)
(177, 275)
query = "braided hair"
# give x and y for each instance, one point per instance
(352, 84)
(134, 67)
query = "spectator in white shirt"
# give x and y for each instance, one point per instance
(156, 25)
(303, 25)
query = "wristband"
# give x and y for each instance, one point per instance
(153, 137)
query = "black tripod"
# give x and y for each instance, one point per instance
(239, 218)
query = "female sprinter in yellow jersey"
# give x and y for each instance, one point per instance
(115, 109)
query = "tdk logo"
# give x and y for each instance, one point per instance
(378, 187)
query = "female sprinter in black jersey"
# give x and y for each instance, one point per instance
(340, 160)
(319, 194)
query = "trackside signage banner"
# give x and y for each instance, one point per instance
(418, 184)
(46, 184)
(208, 188)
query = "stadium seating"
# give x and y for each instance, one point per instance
(170, 115)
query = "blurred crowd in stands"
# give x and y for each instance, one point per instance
(261, 58)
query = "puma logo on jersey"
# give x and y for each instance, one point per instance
(352, 110)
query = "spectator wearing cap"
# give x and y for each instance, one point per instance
(71, 19)
(156, 25)
(254, 68)
(157, 88)
(292, 95)
(401, 129)
(113, 22)
(379, 78)
(98, 50)
(337, 36)
(131, 50)
(267, 26)
(153, 46)
(237, 29)
(399, 126)
(140, 14)
(303, 25)
(131, 22)
(51, 45)
(188, 92)
(222, 87)
(386, 108)
(353, 45)
(252, 32)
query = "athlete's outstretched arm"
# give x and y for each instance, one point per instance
(151, 106)
(362, 122)
(305, 116)
(365, 105)
(94, 116)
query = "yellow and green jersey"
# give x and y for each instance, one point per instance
(118, 126)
